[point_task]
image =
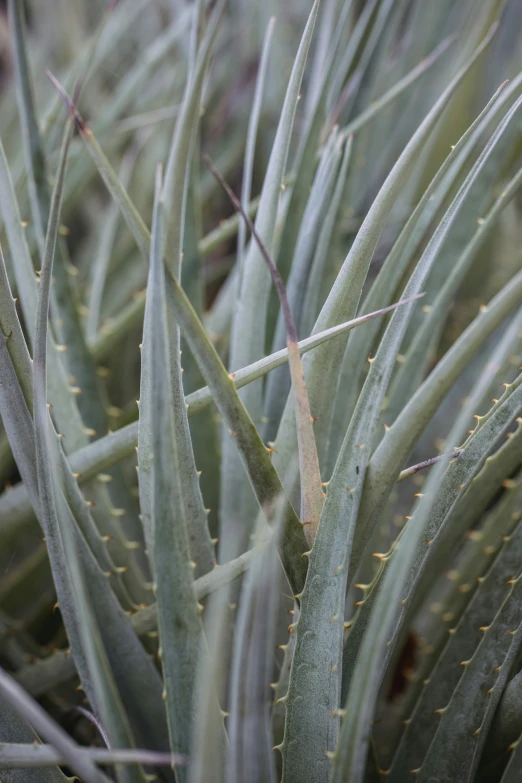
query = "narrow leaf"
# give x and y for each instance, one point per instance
(15, 509)
(251, 756)
(50, 730)
(33, 152)
(255, 458)
(311, 494)
(27, 756)
(179, 622)
(392, 452)
(56, 517)
(322, 371)
(444, 487)
(250, 313)
(43, 675)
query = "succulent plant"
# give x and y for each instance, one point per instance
(294, 240)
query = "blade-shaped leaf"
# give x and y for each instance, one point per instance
(34, 154)
(387, 281)
(101, 262)
(386, 461)
(43, 675)
(15, 508)
(312, 495)
(175, 189)
(476, 696)
(238, 506)
(454, 592)
(253, 126)
(322, 370)
(176, 179)
(255, 458)
(138, 682)
(64, 295)
(278, 384)
(322, 602)
(443, 489)
(66, 410)
(490, 594)
(58, 522)
(382, 364)
(24, 756)
(179, 621)
(512, 771)
(507, 722)
(420, 351)
(250, 755)
(51, 731)
(313, 287)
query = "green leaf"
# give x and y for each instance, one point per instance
(41, 676)
(382, 364)
(369, 56)
(17, 424)
(238, 506)
(112, 28)
(66, 319)
(97, 457)
(31, 711)
(14, 730)
(311, 496)
(66, 411)
(476, 696)
(328, 19)
(392, 452)
(388, 280)
(178, 157)
(461, 645)
(322, 370)
(180, 154)
(105, 247)
(513, 768)
(26, 756)
(254, 455)
(141, 71)
(362, 119)
(507, 722)
(58, 521)
(322, 604)
(20, 368)
(255, 458)
(444, 488)
(312, 294)
(12, 331)
(498, 468)
(251, 755)
(175, 189)
(420, 351)
(204, 431)
(179, 621)
(209, 736)
(133, 312)
(454, 591)
(278, 384)
(130, 214)
(253, 127)
(139, 682)
(33, 152)
(316, 109)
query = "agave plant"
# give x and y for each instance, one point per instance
(295, 240)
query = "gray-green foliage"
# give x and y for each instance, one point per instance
(224, 591)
